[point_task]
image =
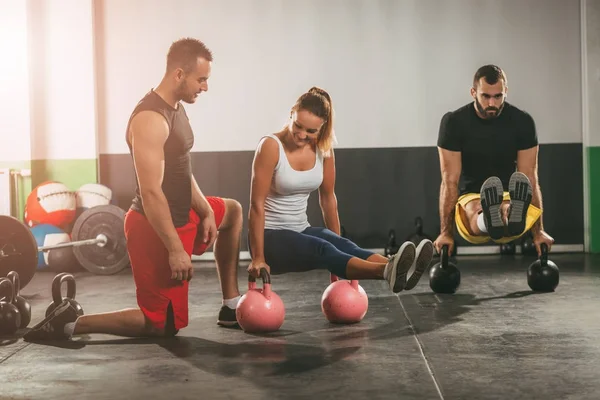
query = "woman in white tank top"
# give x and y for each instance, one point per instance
(287, 167)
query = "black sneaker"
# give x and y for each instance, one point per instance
(520, 191)
(227, 317)
(53, 326)
(491, 200)
(425, 252)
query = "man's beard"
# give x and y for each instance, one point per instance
(485, 111)
(183, 93)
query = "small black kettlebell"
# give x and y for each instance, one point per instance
(19, 301)
(391, 247)
(444, 276)
(543, 274)
(10, 318)
(57, 296)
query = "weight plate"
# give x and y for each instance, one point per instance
(18, 249)
(107, 220)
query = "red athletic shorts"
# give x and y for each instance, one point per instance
(150, 265)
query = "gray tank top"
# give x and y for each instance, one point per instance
(286, 203)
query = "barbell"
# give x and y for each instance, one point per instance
(98, 242)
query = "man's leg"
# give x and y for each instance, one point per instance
(228, 217)
(127, 323)
(472, 217)
(163, 301)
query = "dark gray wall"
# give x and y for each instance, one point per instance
(380, 189)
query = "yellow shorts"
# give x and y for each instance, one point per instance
(533, 214)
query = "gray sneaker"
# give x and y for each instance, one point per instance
(520, 191)
(401, 263)
(491, 200)
(425, 253)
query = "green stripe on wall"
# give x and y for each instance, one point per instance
(594, 200)
(73, 173)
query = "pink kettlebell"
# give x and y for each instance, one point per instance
(344, 302)
(260, 310)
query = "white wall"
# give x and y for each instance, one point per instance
(14, 81)
(392, 67)
(62, 88)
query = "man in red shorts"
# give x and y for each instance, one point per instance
(170, 218)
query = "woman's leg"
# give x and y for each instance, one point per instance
(289, 251)
(424, 253)
(343, 244)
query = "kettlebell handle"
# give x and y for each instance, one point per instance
(544, 256)
(335, 278)
(7, 291)
(16, 281)
(266, 279)
(264, 276)
(57, 287)
(445, 256)
(419, 225)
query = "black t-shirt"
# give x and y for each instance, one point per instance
(177, 180)
(488, 147)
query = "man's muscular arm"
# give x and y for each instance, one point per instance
(199, 202)
(450, 165)
(148, 133)
(207, 230)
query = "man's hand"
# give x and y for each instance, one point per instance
(442, 240)
(542, 237)
(255, 267)
(181, 265)
(208, 229)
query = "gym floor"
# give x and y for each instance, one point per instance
(493, 339)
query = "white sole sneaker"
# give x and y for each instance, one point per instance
(401, 263)
(521, 194)
(491, 197)
(425, 252)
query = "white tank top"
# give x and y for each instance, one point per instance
(286, 203)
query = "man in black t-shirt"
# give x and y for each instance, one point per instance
(491, 147)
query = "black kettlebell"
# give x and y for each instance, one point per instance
(444, 277)
(542, 274)
(391, 247)
(22, 305)
(10, 318)
(57, 296)
(527, 246)
(418, 234)
(508, 249)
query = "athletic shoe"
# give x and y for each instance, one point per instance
(425, 252)
(491, 200)
(398, 265)
(520, 192)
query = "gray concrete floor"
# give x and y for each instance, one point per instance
(493, 339)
